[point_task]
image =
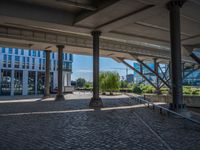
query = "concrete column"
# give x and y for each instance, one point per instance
(175, 35)
(47, 75)
(96, 100)
(60, 95)
(25, 82)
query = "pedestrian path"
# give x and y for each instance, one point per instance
(71, 124)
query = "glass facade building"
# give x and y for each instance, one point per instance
(139, 79)
(22, 72)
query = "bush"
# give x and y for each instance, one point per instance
(147, 88)
(195, 92)
(187, 90)
(136, 89)
(88, 86)
(164, 90)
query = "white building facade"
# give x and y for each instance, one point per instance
(23, 71)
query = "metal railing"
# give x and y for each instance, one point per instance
(161, 108)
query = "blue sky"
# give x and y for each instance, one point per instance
(82, 67)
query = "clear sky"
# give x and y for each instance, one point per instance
(82, 67)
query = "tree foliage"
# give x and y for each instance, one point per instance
(80, 82)
(109, 81)
(123, 84)
(136, 89)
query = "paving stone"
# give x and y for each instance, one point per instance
(92, 130)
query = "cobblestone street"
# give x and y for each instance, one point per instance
(121, 124)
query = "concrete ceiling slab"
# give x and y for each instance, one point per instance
(142, 23)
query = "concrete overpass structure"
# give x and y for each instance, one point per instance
(130, 29)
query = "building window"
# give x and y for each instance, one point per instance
(40, 82)
(40, 64)
(9, 61)
(3, 50)
(65, 56)
(24, 62)
(34, 53)
(53, 55)
(29, 53)
(5, 87)
(4, 60)
(54, 65)
(22, 52)
(18, 82)
(70, 57)
(33, 63)
(31, 82)
(38, 53)
(16, 51)
(17, 61)
(67, 66)
(44, 54)
(44, 64)
(28, 63)
(10, 50)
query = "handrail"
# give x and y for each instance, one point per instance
(163, 108)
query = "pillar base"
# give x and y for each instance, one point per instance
(96, 103)
(46, 96)
(180, 107)
(182, 110)
(59, 98)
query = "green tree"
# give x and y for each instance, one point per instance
(88, 85)
(80, 82)
(136, 89)
(109, 81)
(123, 84)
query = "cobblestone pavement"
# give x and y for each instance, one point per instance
(122, 124)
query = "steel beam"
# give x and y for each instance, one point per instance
(175, 36)
(141, 74)
(77, 5)
(164, 73)
(151, 70)
(96, 100)
(189, 73)
(195, 57)
(156, 66)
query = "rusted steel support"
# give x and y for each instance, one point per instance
(141, 74)
(151, 70)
